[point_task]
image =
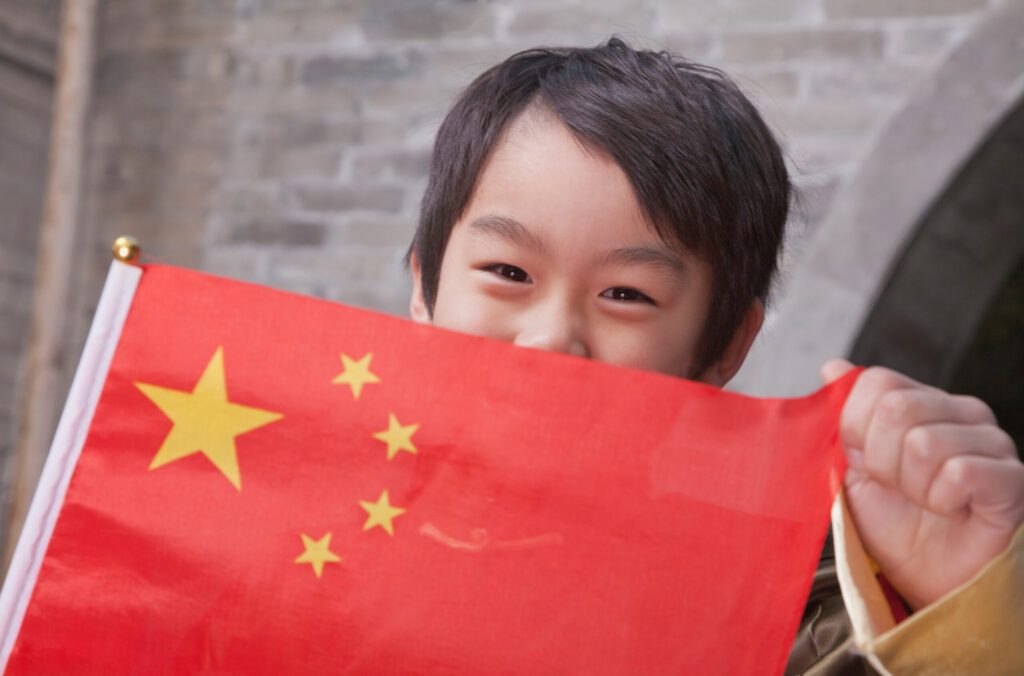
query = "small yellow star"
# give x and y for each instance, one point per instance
(318, 552)
(356, 373)
(205, 421)
(381, 513)
(398, 437)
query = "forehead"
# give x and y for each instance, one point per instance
(542, 176)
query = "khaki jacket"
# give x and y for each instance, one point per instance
(847, 627)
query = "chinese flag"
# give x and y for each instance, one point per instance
(249, 481)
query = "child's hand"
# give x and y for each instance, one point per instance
(934, 486)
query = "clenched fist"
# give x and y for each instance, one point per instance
(934, 485)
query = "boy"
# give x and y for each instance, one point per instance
(628, 206)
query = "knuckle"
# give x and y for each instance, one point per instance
(881, 378)
(958, 473)
(920, 444)
(896, 405)
(1002, 444)
(974, 408)
(878, 465)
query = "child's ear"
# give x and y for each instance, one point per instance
(736, 352)
(417, 306)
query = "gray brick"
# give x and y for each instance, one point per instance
(772, 84)
(166, 24)
(391, 234)
(117, 72)
(290, 146)
(758, 11)
(833, 118)
(790, 45)
(393, 163)
(249, 197)
(186, 195)
(198, 161)
(351, 265)
(27, 90)
(458, 64)
(22, 157)
(428, 21)
(392, 298)
(378, 129)
(341, 198)
(584, 23)
(28, 37)
(237, 261)
(861, 9)
(276, 232)
(928, 42)
(333, 70)
(885, 80)
(286, 7)
(10, 379)
(693, 45)
(691, 15)
(409, 98)
(271, 100)
(694, 15)
(17, 262)
(30, 126)
(269, 70)
(824, 152)
(301, 24)
(15, 290)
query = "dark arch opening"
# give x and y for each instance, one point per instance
(952, 311)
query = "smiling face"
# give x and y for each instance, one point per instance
(554, 252)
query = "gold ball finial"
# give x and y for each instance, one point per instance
(126, 249)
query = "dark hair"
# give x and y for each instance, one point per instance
(706, 170)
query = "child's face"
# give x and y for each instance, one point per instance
(554, 252)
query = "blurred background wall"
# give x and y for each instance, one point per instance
(286, 142)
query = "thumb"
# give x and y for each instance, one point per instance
(834, 369)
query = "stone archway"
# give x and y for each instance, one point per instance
(952, 311)
(961, 255)
(918, 173)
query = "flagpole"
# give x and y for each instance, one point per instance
(55, 259)
(104, 334)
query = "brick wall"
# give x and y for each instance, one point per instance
(27, 50)
(286, 142)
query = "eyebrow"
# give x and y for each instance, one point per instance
(647, 256)
(508, 229)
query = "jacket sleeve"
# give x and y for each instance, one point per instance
(975, 629)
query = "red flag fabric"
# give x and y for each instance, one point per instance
(279, 484)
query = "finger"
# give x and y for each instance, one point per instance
(871, 385)
(834, 369)
(926, 448)
(899, 411)
(855, 460)
(991, 489)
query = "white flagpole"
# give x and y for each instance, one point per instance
(116, 299)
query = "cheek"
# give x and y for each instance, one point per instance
(667, 346)
(461, 307)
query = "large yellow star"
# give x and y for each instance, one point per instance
(397, 436)
(205, 421)
(381, 513)
(318, 553)
(356, 373)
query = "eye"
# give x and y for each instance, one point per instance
(509, 272)
(627, 295)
